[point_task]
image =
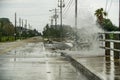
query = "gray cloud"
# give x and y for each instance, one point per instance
(37, 11)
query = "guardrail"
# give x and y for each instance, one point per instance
(111, 42)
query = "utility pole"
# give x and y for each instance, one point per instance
(76, 22)
(19, 22)
(119, 15)
(29, 26)
(20, 27)
(15, 24)
(26, 28)
(61, 5)
(51, 21)
(26, 24)
(22, 23)
(55, 16)
(76, 14)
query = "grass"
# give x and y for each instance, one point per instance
(9, 38)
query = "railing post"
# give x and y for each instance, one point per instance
(107, 44)
(116, 46)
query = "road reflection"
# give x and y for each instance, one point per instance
(33, 62)
(112, 69)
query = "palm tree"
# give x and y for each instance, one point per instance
(100, 13)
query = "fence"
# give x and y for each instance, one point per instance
(111, 42)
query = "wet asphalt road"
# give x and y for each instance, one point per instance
(33, 62)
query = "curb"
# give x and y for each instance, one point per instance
(82, 69)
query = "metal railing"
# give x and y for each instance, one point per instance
(111, 42)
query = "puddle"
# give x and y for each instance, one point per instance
(33, 62)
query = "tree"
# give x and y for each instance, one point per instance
(100, 13)
(45, 32)
(3, 21)
(8, 29)
(105, 24)
(55, 31)
(108, 25)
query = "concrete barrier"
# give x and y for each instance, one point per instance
(82, 69)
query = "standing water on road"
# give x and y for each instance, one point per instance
(33, 62)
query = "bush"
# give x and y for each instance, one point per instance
(7, 38)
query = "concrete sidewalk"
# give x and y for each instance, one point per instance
(95, 67)
(8, 46)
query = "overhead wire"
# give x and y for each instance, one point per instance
(110, 6)
(68, 7)
(69, 11)
(67, 4)
(106, 5)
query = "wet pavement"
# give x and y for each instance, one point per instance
(104, 67)
(8, 46)
(33, 62)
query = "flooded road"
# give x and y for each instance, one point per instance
(33, 62)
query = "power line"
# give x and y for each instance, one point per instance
(110, 5)
(67, 5)
(106, 5)
(69, 11)
(69, 8)
(55, 16)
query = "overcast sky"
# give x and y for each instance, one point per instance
(38, 15)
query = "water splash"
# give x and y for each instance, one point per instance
(87, 33)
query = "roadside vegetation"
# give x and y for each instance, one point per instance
(58, 33)
(104, 22)
(9, 33)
